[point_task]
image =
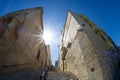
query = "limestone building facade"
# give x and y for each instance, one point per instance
(21, 43)
(49, 62)
(86, 51)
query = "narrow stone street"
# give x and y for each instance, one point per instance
(30, 74)
(54, 75)
(26, 74)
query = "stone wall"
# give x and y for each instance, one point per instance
(49, 62)
(21, 43)
(86, 55)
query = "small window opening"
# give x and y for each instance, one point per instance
(38, 55)
(83, 24)
(92, 69)
(69, 45)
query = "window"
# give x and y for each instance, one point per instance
(92, 69)
(83, 24)
(69, 45)
(38, 55)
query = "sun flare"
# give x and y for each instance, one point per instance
(48, 37)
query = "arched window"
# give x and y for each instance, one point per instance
(38, 55)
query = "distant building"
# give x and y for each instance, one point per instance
(86, 50)
(56, 63)
(49, 62)
(21, 45)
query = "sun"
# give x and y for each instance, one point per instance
(48, 36)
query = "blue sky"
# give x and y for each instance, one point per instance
(104, 13)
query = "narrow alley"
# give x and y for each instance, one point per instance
(33, 46)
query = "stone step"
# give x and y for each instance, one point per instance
(27, 74)
(60, 76)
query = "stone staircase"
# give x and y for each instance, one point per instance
(30, 74)
(54, 75)
(26, 74)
